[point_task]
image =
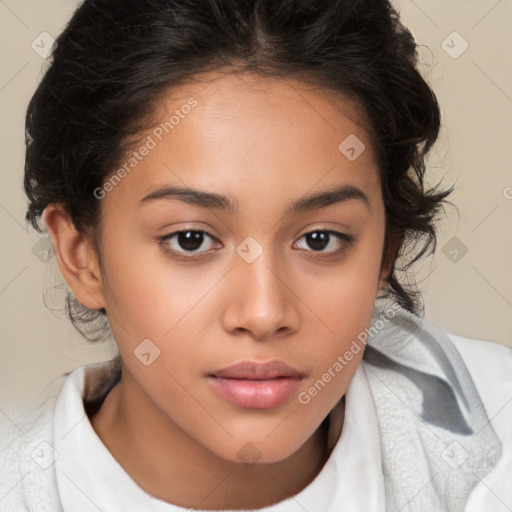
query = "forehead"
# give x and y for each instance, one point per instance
(227, 97)
(247, 134)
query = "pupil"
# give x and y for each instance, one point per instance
(318, 240)
(190, 240)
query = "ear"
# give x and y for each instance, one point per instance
(390, 253)
(76, 256)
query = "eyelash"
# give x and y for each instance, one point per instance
(348, 242)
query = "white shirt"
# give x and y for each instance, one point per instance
(60, 464)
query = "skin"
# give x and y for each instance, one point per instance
(266, 143)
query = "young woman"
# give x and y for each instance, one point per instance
(228, 185)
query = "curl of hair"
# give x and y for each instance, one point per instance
(115, 59)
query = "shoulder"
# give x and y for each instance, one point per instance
(483, 355)
(28, 480)
(27, 474)
(490, 366)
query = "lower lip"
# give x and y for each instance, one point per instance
(256, 394)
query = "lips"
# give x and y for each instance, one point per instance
(256, 385)
(258, 371)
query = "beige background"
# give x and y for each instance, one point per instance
(471, 297)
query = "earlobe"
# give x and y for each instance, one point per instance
(76, 256)
(389, 257)
(383, 279)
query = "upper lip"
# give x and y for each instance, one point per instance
(258, 370)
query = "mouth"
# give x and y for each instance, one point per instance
(256, 385)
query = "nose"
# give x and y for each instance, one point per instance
(261, 299)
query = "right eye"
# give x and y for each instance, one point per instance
(187, 242)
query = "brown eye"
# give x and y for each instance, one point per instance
(187, 241)
(320, 239)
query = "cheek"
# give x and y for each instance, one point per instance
(344, 296)
(337, 343)
(145, 292)
(342, 318)
(342, 302)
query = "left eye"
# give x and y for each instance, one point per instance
(325, 238)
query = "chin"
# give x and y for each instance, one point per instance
(258, 449)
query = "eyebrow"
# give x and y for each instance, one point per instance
(311, 202)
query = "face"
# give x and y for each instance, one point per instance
(232, 279)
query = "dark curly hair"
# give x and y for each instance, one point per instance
(116, 58)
